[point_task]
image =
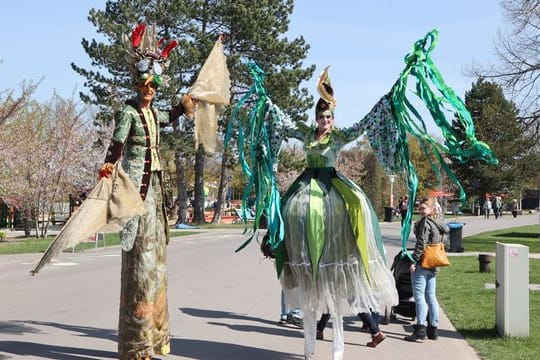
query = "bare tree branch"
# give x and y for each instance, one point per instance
(518, 52)
(9, 106)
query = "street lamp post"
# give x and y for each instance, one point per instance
(538, 193)
(389, 210)
(392, 178)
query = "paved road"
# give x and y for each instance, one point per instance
(222, 305)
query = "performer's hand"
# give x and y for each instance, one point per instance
(106, 170)
(222, 37)
(190, 106)
(412, 268)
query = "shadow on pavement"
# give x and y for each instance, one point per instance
(207, 350)
(217, 314)
(85, 331)
(16, 328)
(288, 331)
(23, 348)
(273, 329)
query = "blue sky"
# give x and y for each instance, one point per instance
(363, 41)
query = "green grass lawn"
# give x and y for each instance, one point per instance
(35, 245)
(471, 309)
(524, 235)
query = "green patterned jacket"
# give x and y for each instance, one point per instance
(132, 141)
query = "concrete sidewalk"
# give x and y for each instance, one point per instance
(223, 305)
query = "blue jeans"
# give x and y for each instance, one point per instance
(372, 320)
(295, 312)
(424, 282)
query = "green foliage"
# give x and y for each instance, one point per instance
(524, 235)
(471, 309)
(3, 236)
(427, 178)
(373, 182)
(292, 158)
(496, 124)
(254, 30)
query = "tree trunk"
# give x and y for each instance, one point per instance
(198, 203)
(221, 189)
(182, 200)
(45, 223)
(27, 220)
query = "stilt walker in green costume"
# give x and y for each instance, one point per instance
(144, 317)
(323, 232)
(331, 251)
(334, 253)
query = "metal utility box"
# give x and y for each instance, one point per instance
(512, 290)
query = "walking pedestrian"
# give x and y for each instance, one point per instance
(403, 208)
(487, 207)
(514, 208)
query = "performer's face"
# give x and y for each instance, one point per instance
(147, 92)
(325, 121)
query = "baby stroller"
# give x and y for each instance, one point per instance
(402, 276)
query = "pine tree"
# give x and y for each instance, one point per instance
(255, 31)
(496, 123)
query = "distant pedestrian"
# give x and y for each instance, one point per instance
(403, 207)
(487, 208)
(514, 208)
(497, 207)
(437, 209)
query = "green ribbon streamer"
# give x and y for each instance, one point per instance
(257, 157)
(429, 83)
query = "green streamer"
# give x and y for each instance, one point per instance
(258, 144)
(429, 83)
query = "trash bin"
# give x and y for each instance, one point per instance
(388, 213)
(483, 262)
(456, 235)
